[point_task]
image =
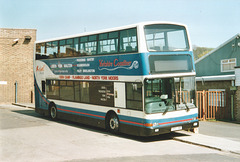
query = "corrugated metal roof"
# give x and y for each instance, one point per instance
(231, 39)
(216, 78)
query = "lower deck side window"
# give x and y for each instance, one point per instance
(98, 93)
(134, 96)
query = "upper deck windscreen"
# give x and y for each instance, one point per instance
(165, 37)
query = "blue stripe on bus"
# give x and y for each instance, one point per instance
(158, 122)
(173, 121)
(125, 64)
(81, 112)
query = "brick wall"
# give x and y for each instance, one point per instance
(206, 85)
(16, 64)
(224, 85)
(237, 104)
(237, 94)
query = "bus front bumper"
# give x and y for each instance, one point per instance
(167, 129)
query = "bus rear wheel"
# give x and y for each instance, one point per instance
(113, 123)
(53, 112)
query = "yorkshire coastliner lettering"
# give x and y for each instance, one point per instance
(116, 64)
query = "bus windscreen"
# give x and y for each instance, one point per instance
(165, 37)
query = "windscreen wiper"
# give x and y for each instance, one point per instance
(187, 108)
(181, 97)
(166, 110)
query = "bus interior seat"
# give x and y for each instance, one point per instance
(157, 48)
(113, 51)
(129, 49)
(136, 48)
(165, 48)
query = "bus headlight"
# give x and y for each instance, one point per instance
(195, 124)
(156, 130)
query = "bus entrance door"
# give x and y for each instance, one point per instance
(119, 95)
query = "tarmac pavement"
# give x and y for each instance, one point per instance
(211, 141)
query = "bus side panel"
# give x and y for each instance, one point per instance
(131, 129)
(82, 119)
(41, 103)
(83, 116)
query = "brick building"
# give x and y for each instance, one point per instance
(218, 71)
(16, 65)
(237, 93)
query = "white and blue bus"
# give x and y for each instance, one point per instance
(137, 79)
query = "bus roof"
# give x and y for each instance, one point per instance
(109, 30)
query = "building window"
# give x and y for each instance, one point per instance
(228, 65)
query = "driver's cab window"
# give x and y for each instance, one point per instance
(159, 95)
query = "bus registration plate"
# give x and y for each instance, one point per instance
(176, 128)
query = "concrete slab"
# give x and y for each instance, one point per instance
(27, 105)
(218, 143)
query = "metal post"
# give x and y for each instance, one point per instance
(232, 107)
(16, 83)
(204, 104)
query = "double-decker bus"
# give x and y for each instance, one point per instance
(137, 79)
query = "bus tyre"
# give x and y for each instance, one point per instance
(113, 124)
(53, 112)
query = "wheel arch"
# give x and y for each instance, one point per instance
(107, 117)
(50, 105)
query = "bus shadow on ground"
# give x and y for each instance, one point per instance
(162, 137)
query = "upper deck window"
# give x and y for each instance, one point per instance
(164, 37)
(128, 41)
(108, 43)
(115, 42)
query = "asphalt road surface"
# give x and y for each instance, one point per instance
(227, 130)
(28, 136)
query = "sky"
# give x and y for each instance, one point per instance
(210, 22)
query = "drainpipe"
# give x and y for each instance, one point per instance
(16, 83)
(232, 105)
(233, 89)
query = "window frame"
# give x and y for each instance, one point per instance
(221, 63)
(78, 89)
(166, 37)
(121, 42)
(133, 96)
(107, 37)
